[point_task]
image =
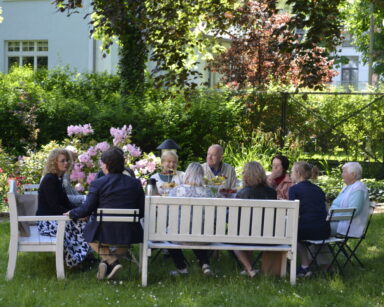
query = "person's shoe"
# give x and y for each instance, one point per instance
(243, 273)
(207, 270)
(102, 271)
(179, 272)
(301, 272)
(252, 273)
(113, 269)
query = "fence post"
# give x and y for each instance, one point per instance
(283, 118)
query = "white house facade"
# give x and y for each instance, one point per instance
(33, 32)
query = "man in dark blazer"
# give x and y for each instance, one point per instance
(114, 190)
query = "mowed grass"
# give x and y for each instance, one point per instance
(35, 283)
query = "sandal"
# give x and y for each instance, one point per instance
(113, 268)
(102, 271)
(207, 270)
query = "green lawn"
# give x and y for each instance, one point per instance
(35, 283)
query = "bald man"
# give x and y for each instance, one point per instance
(216, 167)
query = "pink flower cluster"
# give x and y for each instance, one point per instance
(77, 174)
(120, 135)
(133, 150)
(79, 130)
(103, 146)
(86, 168)
(145, 166)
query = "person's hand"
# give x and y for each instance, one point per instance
(66, 213)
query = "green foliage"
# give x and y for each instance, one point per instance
(260, 147)
(31, 166)
(195, 122)
(357, 18)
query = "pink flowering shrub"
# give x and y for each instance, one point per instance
(88, 155)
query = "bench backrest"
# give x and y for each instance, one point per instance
(221, 220)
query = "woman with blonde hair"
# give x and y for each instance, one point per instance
(255, 187)
(255, 183)
(53, 200)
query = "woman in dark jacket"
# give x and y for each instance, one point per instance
(312, 213)
(114, 190)
(53, 200)
(255, 187)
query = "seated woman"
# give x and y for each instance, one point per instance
(353, 195)
(114, 190)
(255, 187)
(192, 187)
(279, 178)
(169, 176)
(312, 214)
(52, 200)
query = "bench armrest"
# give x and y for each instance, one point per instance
(36, 218)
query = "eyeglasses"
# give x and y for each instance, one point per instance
(63, 161)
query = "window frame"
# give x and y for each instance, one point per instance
(33, 47)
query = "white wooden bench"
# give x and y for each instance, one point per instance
(221, 224)
(24, 236)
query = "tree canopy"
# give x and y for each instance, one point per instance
(264, 50)
(169, 32)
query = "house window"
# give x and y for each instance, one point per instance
(350, 72)
(32, 53)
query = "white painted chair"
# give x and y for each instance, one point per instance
(24, 236)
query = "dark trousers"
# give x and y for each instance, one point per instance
(180, 261)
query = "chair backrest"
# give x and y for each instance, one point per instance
(372, 208)
(342, 214)
(253, 221)
(20, 205)
(117, 215)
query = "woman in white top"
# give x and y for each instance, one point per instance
(353, 195)
(168, 174)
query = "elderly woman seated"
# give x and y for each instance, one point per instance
(255, 187)
(168, 177)
(353, 195)
(192, 187)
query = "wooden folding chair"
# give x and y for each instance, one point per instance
(335, 244)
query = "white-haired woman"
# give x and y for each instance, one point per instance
(168, 173)
(353, 195)
(192, 187)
